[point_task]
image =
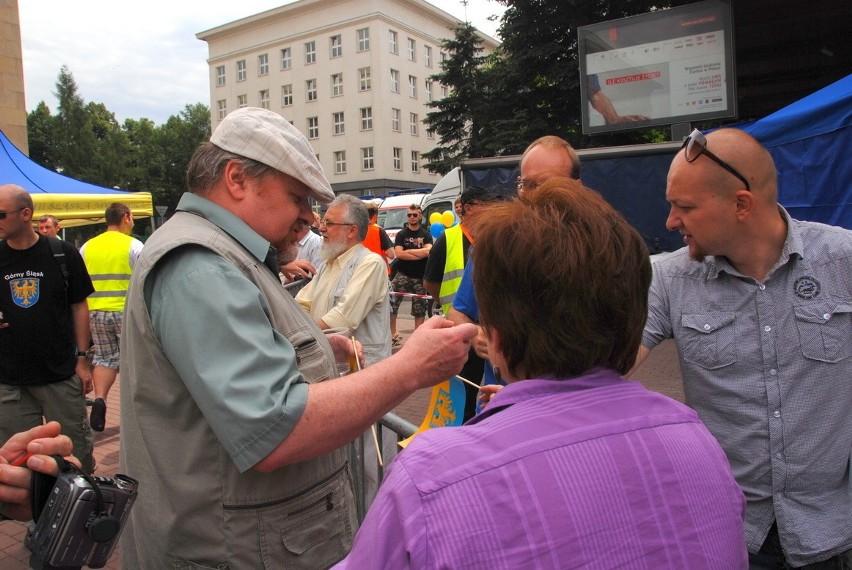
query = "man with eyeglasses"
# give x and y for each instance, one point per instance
(44, 328)
(411, 248)
(233, 417)
(760, 306)
(546, 157)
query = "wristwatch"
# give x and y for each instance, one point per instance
(78, 352)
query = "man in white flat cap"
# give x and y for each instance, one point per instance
(232, 414)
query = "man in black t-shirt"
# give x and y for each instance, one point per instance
(44, 336)
(411, 246)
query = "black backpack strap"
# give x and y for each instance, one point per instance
(59, 256)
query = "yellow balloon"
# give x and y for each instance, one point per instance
(448, 218)
(435, 218)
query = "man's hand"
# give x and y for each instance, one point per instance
(437, 350)
(343, 348)
(40, 441)
(298, 269)
(83, 370)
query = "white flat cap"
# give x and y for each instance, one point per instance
(267, 137)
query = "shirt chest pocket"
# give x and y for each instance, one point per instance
(824, 330)
(708, 339)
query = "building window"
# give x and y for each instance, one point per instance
(337, 85)
(430, 134)
(396, 119)
(340, 162)
(242, 101)
(336, 46)
(311, 89)
(443, 91)
(287, 95)
(412, 86)
(241, 70)
(443, 57)
(222, 108)
(286, 58)
(220, 75)
(428, 90)
(414, 123)
(364, 79)
(264, 98)
(313, 127)
(397, 158)
(393, 42)
(427, 56)
(310, 52)
(415, 161)
(363, 39)
(394, 81)
(367, 158)
(337, 119)
(366, 118)
(412, 49)
(263, 64)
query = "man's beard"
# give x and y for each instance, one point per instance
(287, 252)
(331, 250)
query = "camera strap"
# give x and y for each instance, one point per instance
(41, 485)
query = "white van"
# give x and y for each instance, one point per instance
(393, 213)
(443, 195)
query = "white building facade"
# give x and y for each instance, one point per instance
(353, 75)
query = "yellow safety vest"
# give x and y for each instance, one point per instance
(453, 267)
(107, 258)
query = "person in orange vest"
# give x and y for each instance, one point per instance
(109, 258)
(377, 239)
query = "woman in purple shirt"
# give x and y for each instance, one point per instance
(570, 465)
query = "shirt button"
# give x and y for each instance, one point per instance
(706, 327)
(826, 316)
(767, 328)
(773, 372)
(777, 414)
(762, 286)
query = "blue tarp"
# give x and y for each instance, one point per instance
(810, 141)
(73, 201)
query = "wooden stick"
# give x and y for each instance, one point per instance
(372, 427)
(466, 381)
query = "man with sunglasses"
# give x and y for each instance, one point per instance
(760, 306)
(411, 248)
(44, 330)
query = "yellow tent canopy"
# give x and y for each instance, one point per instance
(74, 202)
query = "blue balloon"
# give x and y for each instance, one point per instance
(437, 230)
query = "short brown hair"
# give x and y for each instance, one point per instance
(563, 279)
(115, 212)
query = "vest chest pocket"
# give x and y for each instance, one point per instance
(708, 339)
(824, 330)
(311, 360)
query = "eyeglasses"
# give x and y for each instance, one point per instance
(325, 223)
(413, 215)
(525, 185)
(696, 145)
(4, 214)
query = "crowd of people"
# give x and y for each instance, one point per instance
(239, 395)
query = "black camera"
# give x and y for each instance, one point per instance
(80, 521)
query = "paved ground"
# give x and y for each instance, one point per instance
(659, 372)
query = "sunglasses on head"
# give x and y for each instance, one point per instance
(3, 215)
(696, 145)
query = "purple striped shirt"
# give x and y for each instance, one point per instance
(589, 472)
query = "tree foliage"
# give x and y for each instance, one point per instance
(85, 141)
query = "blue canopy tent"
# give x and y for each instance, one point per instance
(810, 141)
(74, 202)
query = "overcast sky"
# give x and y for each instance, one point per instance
(142, 59)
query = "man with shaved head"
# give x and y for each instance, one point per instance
(760, 306)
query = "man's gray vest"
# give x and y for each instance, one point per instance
(374, 331)
(195, 509)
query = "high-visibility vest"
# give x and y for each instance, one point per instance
(453, 267)
(373, 241)
(107, 258)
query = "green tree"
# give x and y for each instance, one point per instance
(459, 117)
(73, 139)
(110, 150)
(41, 130)
(180, 135)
